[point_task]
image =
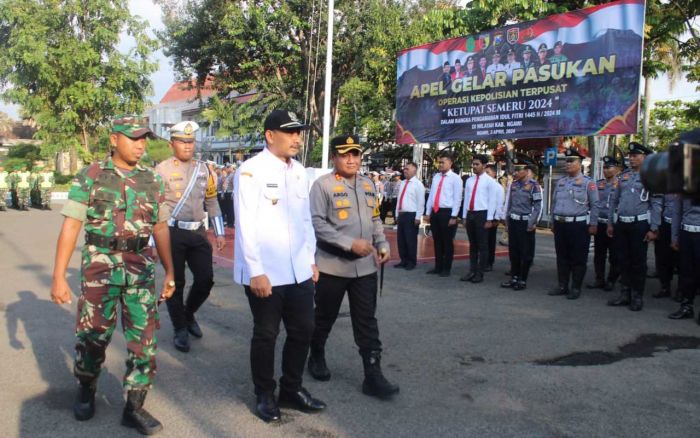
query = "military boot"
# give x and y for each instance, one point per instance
(317, 365)
(636, 302)
(623, 299)
(182, 340)
(563, 288)
(136, 416)
(375, 383)
(84, 405)
(685, 312)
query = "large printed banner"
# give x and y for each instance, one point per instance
(569, 74)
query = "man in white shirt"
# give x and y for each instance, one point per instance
(480, 197)
(409, 208)
(511, 65)
(498, 216)
(441, 210)
(274, 261)
(495, 64)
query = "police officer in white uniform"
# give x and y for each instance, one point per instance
(189, 187)
(274, 261)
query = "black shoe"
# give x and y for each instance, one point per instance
(433, 271)
(510, 283)
(489, 268)
(520, 285)
(194, 328)
(636, 303)
(467, 277)
(375, 384)
(182, 340)
(685, 312)
(410, 267)
(301, 400)
(573, 294)
(84, 405)
(609, 286)
(137, 417)
(662, 293)
(266, 408)
(445, 273)
(598, 284)
(400, 265)
(557, 291)
(317, 366)
(478, 278)
(622, 300)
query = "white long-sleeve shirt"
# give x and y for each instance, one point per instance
(414, 198)
(488, 193)
(450, 194)
(274, 234)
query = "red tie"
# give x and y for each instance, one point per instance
(471, 202)
(403, 192)
(436, 204)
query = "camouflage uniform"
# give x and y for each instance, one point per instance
(43, 186)
(115, 207)
(4, 187)
(22, 185)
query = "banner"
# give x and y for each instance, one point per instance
(576, 73)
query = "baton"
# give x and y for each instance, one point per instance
(381, 274)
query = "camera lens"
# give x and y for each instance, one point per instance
(654, 173)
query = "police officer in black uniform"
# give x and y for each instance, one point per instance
(686, 241)
(603, 244)
(575, 218)
(638, 215)
(522, 213)
(665, 257)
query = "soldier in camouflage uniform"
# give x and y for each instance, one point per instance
(42, 185)
(21, 187)
(120, 203)
(4, 187)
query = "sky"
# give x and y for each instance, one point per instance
(164, 77)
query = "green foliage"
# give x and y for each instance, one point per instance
(671, 118)
(28, 151)
(61, 64)
(16, 163)
(62, 180)
(156, 151)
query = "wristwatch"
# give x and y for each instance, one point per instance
(171, 283)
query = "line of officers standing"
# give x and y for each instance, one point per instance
(26, 188)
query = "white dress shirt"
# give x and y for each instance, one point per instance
(500, 202)
(414, 198)
(486, 196)
(450, 194)
(274, 235)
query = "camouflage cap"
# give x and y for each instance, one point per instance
(133, 126)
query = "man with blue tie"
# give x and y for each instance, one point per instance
(409, 208)
(441, 210)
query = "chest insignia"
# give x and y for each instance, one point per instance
(342, 215)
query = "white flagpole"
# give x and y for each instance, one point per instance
(327, 93)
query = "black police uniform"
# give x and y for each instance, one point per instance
(666, 259)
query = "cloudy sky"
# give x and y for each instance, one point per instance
(164, 77)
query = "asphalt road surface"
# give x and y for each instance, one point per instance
(471, 360)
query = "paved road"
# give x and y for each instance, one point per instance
(466, 356)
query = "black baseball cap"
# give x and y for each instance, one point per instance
(281, 120)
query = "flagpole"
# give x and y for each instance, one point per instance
(327, 92)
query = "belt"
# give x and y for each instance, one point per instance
(602, 220)
(630, 219)
(570, 218)
(518, 217)
(133, 244)
(691, 228)
(668, 220)
(183, 225)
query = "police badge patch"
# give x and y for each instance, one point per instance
(512, 35)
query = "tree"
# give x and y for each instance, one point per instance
(61, 64)
(670, 118)
(6, 124)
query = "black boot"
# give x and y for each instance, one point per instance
(664, 292)
(136, 416)
(563, 288)
(577, 274)
(375, 383)
(623, 299)
(182, 340)
(317, 365)
(636, 302)
(84, 405)
(192, 327)
(510, 283)
(685, 312)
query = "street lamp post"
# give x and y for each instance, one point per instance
(327, 93)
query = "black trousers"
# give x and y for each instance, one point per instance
(443, 238)
(604, 249)
(571, 243)
(632, 253)
(362, 296)
(492, 232)
(292, 304)
(521, 248)
(191, 248)
(689, 260)
(478, 240)
(388, 204)
(666, 258)
(227, 209)
(407, 238)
